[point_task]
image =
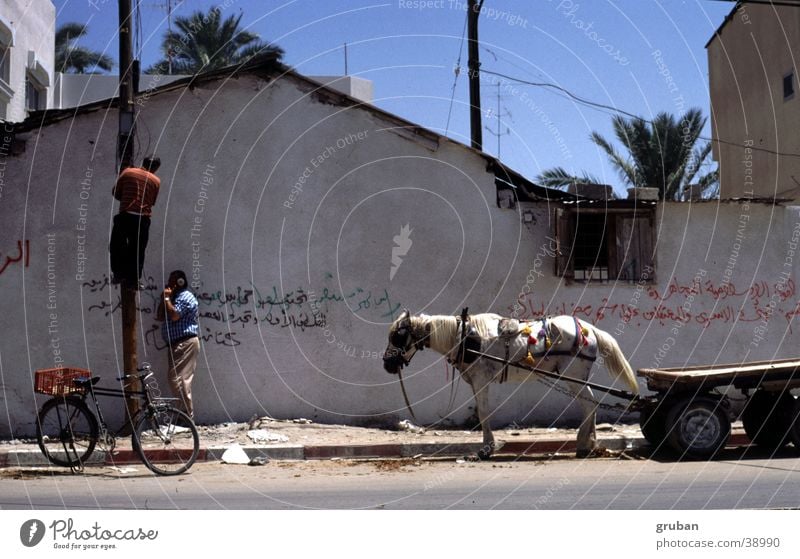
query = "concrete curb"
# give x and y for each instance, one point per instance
(12, 458)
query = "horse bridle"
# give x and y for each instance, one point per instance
(402, 343)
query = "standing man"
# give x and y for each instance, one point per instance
(178, 312)
(137, 190)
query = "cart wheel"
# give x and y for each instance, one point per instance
(794, 425)
(698, 427)
(653, 422)
(766, 418)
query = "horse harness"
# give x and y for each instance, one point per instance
(508, 330)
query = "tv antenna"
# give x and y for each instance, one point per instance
(168, 6)
(498, 114)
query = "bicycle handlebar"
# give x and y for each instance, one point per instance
(147, 374)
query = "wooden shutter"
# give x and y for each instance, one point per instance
(563, 233)
(635, 246)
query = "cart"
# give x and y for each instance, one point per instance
(691, 416)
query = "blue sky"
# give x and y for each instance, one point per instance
(641, 56)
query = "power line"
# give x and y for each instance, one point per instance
(457, 72)
(589, 103)
(787, 3)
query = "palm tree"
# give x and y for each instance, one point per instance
(71, 58)
(662, 153)
(205, 42)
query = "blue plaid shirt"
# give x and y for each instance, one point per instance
(186, 305)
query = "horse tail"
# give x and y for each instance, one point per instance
(613, 358)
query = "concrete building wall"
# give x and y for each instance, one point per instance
(747, 61)
(288, 212)
(32, 54)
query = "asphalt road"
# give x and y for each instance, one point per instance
(735, 481)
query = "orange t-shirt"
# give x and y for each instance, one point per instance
(137, 190)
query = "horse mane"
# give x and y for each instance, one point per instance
(445, 332)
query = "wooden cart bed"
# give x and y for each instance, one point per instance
(766, 374)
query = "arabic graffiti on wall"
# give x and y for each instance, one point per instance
(726, 304)
(224, 315)
(22, 256)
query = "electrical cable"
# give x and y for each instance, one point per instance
(457, 71)
(626, 113)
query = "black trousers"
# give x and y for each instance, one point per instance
(129, 238)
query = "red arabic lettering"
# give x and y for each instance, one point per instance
(21, 253)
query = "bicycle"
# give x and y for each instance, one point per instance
(165, 438)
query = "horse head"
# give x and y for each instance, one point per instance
(403, 344)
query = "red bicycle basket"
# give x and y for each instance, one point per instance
(57, 382)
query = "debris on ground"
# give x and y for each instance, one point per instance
(123, 470)
(264, 436)
(395, 464)
(235, 454)
(258, 461)
(406, 425)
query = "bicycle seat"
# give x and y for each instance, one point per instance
(85, 382)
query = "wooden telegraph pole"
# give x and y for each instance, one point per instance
(125, 155)
(474, 67)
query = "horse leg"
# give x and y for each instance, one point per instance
(480, 390)
(587, 435)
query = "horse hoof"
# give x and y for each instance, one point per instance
(596, 452)
(486, 452)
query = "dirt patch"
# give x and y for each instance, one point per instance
(395, 465)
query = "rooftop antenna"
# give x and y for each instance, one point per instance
(168, 6)
(500, 114)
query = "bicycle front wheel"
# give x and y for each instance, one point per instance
(66, 431)
(166, 440)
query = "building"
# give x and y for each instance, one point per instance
(27, 56)
(74, 90)
(307, 220)
(755, 103)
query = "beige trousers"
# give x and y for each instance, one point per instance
(182, 363)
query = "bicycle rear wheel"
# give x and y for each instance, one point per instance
(66, 431)
(166, 440)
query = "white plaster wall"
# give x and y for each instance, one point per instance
(33, 22)
(294, 283)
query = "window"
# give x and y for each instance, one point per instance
(34, 95)
(605, 244)
(788, 86)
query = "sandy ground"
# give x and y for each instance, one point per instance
(299, 432)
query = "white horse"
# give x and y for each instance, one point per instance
(561, 344)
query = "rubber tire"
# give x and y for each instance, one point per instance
(158, 455)
(766, 418)
(653, 423)
(794, 425)
(51, 423)
(698, 427)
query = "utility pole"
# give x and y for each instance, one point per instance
(474, 66)
(125, 154)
